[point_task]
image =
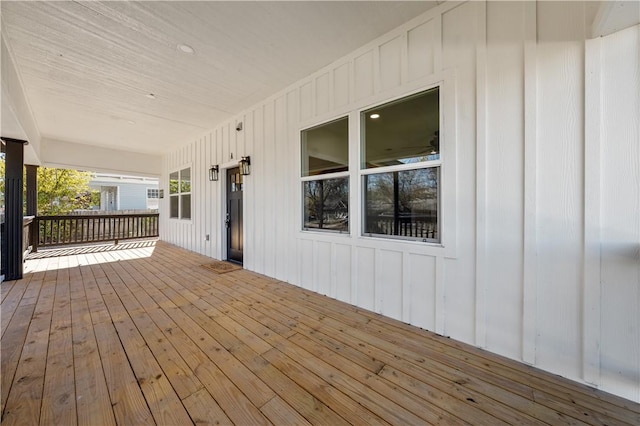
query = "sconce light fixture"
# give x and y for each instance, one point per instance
(213, 173)
(244, 164)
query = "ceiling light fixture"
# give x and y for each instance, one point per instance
(374, 116)
(150, 96)
(185, 48)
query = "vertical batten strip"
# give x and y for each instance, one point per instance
(376, 71)
(221, 198)
(378, 293)
(404, 58)
(295, 199)
(439, 319)
(530, 177)
(208, 194)
(406, 287)
(248, 194)
(591, 326)
(481, 177)
(437, 43)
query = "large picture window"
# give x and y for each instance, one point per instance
(400, 168)
(180, 194)
(325, 179)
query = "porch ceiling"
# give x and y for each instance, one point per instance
(88, 68)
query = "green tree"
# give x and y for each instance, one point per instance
(60, 191)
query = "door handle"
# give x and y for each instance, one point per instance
(227, 221)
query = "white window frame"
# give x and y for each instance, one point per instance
(345, 174)
(157, 192)
(363, 171)
(447, 247)
(179, 194)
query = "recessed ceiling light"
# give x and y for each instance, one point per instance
(374, 116)
(150, 96)
(185, 48)
(131, 122)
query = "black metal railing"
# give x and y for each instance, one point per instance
(409, 226)
(82, 229)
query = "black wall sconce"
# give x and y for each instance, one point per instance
(213, 173)
(244, 164)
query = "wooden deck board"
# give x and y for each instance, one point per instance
(58, 398)
(147, 336)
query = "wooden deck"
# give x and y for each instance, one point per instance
(148, 336)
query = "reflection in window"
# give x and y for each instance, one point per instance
(236, 182)
(401, 163)
(406, 131)
(325, 176)
(325, 148)
(185, 204)
(174, 207)
(180, 194)
(185, 180)
(403, 203)
(326, 204)
(173, 183)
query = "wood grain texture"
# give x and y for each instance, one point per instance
(523, 269)
(259, 351)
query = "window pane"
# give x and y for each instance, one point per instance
(325, 148)
(173, 206)
(185, 180)
(326, 204)
(185, 201)
(403, 203)
(173, 183)
(402, 132)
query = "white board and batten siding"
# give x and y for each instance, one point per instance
(541, 187)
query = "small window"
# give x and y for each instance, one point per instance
(153, 193)
(325, 176)
(401, 164)
(180, 194)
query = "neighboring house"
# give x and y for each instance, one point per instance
(125, 192)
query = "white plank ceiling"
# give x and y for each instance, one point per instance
(88, 68)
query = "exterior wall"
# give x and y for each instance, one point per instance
(541, 190)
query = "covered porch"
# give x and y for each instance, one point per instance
(141, 333)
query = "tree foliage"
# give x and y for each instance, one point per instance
(61, 191)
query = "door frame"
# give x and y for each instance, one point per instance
(222, 198)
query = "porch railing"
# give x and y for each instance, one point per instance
(27, 241)
(81, 229)
(403, 226)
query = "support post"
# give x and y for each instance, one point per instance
(12, 236)
(32, 203)
(32, 190)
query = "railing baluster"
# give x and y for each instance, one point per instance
(65, 230)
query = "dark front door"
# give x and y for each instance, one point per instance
(234, 215)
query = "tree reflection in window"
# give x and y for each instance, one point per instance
(326, 204)
(403, 203)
